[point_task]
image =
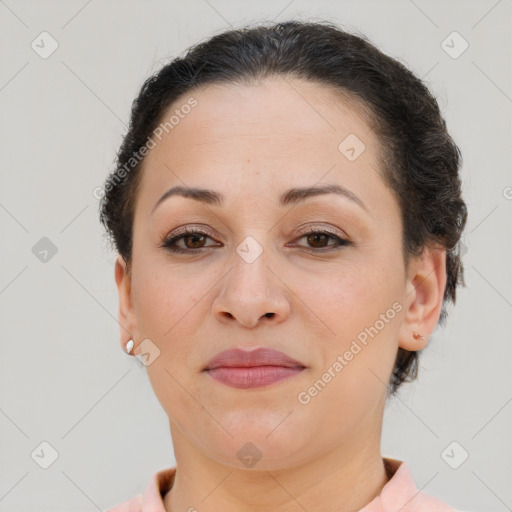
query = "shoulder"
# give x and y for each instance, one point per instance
(152, 498)
(427, 503)
(401, 491)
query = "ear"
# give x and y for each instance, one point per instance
(127, 319)
(426, 282)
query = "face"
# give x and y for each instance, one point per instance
(327, 266)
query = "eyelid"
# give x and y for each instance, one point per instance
(330, 229)
(191, 228)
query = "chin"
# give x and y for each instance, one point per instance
(257, 444)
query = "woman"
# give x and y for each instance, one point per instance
(287, 209)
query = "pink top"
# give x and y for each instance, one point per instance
(398, 495)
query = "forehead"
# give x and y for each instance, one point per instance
(274, 133)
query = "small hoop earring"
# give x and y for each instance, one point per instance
(129, 346)
(417, 336)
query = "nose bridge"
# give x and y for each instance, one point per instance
(250, 263)
(250, 290)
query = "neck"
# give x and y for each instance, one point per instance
(344, 479)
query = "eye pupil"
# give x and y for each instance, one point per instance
(194, 237)
(314, 238)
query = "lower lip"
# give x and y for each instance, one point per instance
(253, 377)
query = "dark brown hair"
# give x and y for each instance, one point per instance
(420, 159)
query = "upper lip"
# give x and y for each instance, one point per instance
(236, 357)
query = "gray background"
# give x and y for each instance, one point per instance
(63, 376)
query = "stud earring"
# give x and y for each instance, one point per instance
(417, 336)
(129, 346)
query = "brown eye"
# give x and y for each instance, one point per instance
(196, 241)
(318, 239)
(190, 241)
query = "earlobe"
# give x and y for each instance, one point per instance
(126, 316)
(426, 284)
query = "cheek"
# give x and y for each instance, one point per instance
(169, 307)
(165, 296)
(360, 310)
(166, 303)
(343, 299)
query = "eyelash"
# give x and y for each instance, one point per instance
(169, 243)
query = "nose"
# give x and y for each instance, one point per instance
(252, 293)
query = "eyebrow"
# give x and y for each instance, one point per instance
(289, 197)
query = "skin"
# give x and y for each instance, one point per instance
(252, 142)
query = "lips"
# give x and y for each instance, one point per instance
(257, 368)
(238, 358)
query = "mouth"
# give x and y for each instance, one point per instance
(252, 369)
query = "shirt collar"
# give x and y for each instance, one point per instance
(399, 490)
